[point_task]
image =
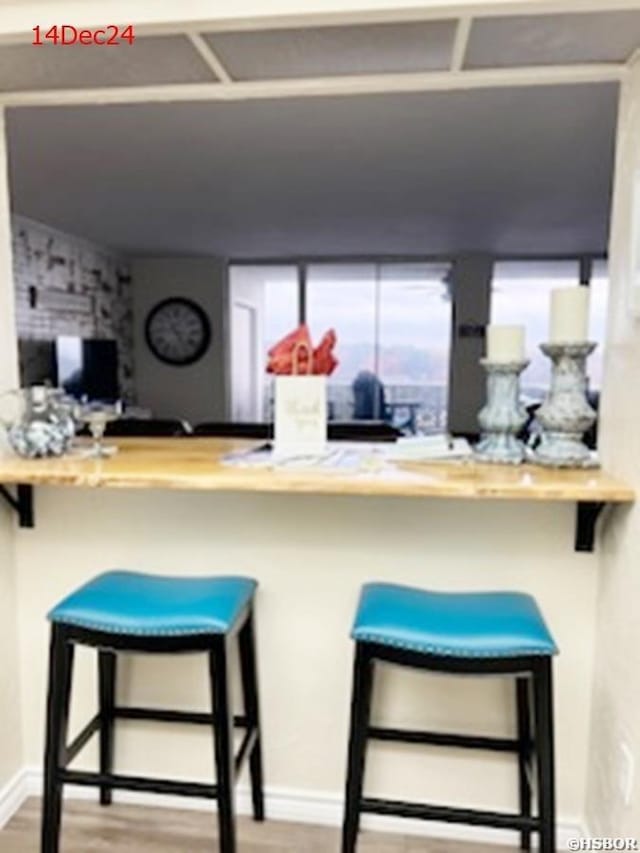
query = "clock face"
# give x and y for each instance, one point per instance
(178, 331)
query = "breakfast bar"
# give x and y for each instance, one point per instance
(311, 538)
(198, 464)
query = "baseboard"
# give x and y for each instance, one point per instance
(13, 795)
(281, 804)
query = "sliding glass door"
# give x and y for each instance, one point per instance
(343, 297)
(393, 323)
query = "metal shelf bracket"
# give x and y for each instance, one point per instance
(21, 503)
(587, 515)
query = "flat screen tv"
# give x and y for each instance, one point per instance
(87, 368)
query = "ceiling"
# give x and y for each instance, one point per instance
(512, 41)
(473, 134)
(224, 58)
(507, 170)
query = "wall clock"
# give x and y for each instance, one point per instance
(177, 331)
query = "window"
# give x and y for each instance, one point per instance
(522, 294)
(414, 343)
(393, 324)
(281, 304)
(343, 297)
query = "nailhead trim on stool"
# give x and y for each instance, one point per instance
(133, 612)
(456, 633)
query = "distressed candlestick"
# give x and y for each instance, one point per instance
(503, 416)
(566, 415)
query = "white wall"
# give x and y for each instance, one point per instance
(246, 352)
(617, 683)
(10, 717)
(197, 392)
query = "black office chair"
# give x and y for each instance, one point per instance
(147, 428)
(362, 431)
(337, 431)
(591, 435)
(590, 438)
(234, 430)
(369, 399)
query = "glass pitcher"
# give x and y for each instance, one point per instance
(38, 421)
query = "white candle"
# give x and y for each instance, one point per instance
(505, 343)
(569, 315)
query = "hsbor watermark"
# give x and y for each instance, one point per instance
(603, 844)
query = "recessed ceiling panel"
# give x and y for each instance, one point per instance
(553, 39)
(325, 51)
(148, 61)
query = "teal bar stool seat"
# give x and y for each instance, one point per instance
(485, 633)
(124, 602)
(123, 611)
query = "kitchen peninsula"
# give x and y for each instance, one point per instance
(198, 464)
(311, 539)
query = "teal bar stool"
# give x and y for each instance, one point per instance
(458, 633)
(120, 612)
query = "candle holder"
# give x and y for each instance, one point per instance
(566, 415)
(503, 416)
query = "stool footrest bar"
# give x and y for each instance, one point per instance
(528, 768)
(443, 739)
(139, 783)
(448, 815)
(82, 739)
(248, 742)
(159, 715)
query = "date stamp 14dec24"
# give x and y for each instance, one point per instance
(67, 35)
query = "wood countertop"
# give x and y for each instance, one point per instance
(195, 463)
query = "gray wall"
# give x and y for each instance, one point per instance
(471, 288)
(197, 392)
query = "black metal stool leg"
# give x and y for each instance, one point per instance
(58, 698)
(360, 709)
(107, 691)
(223, 726)
(252, 710)
(524, 755)
(543, 699)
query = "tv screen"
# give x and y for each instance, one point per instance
(87, 368)
(37, 362)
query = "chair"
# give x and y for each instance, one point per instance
(369, 399)
(235, 430)
(123, 611)
(143, 427)
(500, 633)
(362, 431)
(336, 431)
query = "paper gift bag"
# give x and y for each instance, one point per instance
(300, 411)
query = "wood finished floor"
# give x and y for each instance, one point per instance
(88, 828)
